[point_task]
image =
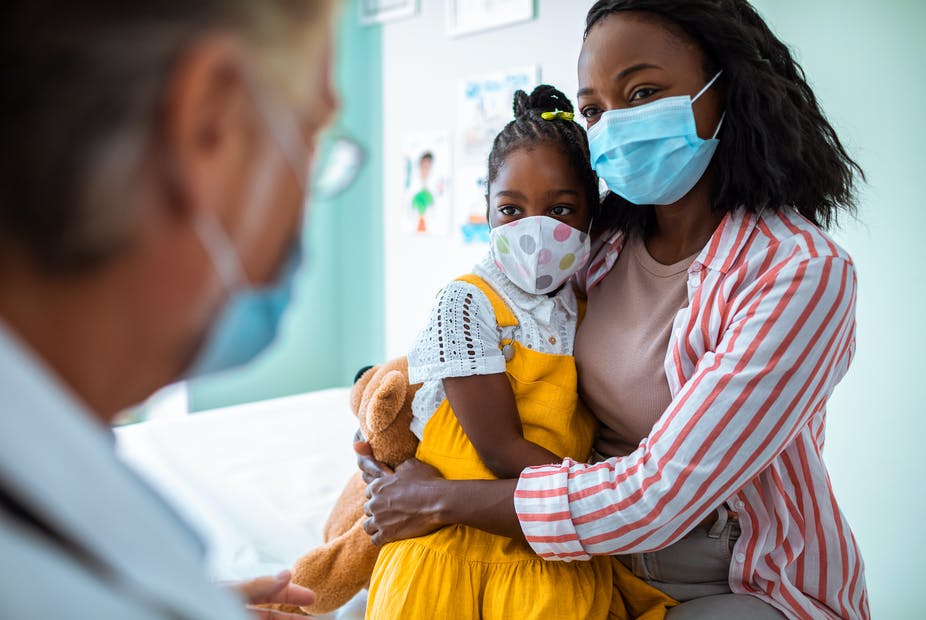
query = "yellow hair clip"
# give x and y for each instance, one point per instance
(557, 115)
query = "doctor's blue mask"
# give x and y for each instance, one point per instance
(250, 318)
(652, 154)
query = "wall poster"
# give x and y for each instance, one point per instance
(484, 108)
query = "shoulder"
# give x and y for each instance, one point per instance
(781, 253)
(606, 248)
(460, 337)
(33, 554)
(67, 579)
(790, 232)
(460, 310)
(459, 296)
(750, 246)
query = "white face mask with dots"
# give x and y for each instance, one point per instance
(539, 253)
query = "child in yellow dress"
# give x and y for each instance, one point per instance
(499, 391)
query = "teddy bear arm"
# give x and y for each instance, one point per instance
(337, 570)
(348, 509)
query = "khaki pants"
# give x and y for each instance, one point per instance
(695, 571)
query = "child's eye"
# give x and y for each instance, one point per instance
(508, 210)
(561, 210)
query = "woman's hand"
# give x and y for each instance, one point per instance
(370, 468)
(276, 590)
(415, 500)
(402, 504)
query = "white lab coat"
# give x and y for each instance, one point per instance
(57, 463)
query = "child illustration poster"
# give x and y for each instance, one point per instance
(426, 203)
(484, 110)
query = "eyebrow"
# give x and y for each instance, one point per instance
(512, 193)
(562, 192)
(621, 75)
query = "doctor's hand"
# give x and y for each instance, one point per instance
(403, 504)
(278, 590)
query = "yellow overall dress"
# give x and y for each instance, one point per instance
(462, 572)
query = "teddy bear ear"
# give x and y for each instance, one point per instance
(360, 385)
(386, 401)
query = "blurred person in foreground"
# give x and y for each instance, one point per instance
(154, 171)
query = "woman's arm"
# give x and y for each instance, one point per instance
(415, 500)
(486, 409)
(789, 337)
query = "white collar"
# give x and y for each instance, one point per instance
(540, 307)
(60, 463)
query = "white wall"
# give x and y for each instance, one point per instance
(421, 70)
(865, 60)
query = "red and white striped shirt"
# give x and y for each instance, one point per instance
(768, 333)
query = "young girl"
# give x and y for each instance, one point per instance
(499, 389)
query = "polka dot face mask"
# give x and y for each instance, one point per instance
(539, 253)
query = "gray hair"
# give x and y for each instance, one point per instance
(79, 109)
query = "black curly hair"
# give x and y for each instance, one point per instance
(777, 148)
(529, 128)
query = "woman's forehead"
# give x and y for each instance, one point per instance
(629, 38)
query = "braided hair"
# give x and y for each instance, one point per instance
(529, 128)
(777, 148)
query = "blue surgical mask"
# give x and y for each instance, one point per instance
(651, 154)
(251, 316)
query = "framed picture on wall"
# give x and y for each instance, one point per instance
(426, 196)
(471, 16)
(379, 11)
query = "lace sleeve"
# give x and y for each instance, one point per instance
(461, 338)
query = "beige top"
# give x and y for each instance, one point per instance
(621, 345)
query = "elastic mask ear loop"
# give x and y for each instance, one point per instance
(284, 126)
(214, 238)
(224, 258)
(719, 124)
(706, 86)
(701, 92)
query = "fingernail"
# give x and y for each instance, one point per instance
(283, 576)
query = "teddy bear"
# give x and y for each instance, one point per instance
(381, 398)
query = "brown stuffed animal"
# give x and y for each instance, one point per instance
(382, 401)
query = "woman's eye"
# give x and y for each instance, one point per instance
(590, 112)
(642, 93)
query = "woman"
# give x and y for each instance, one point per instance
(152, 172)
(720, 318)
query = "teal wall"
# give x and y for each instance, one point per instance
(336, 324)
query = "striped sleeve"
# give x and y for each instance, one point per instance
(788, 339)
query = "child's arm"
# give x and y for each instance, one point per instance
(486, 409)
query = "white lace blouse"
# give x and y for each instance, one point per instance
(462, 337)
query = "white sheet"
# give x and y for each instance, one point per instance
(256, 480)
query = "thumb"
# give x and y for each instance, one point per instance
(363, 448)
